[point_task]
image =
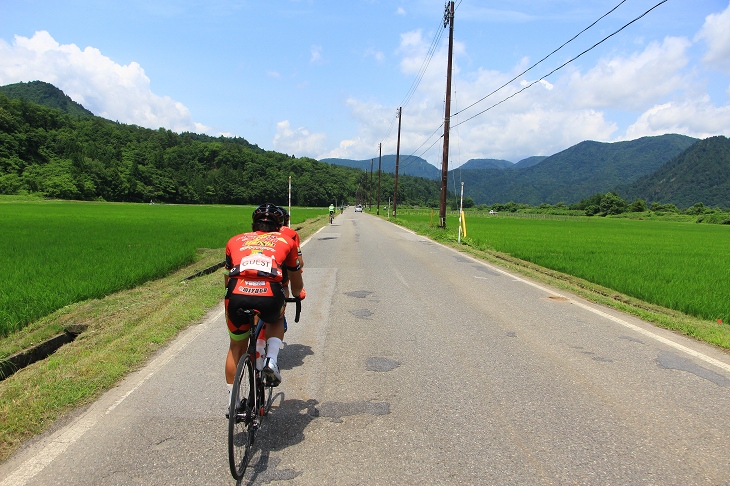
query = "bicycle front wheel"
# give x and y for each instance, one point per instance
(242, 419)
(266, 392)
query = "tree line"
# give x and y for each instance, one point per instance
(50, 152)
(611, 204)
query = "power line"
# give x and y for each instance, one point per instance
(544, 58)
(430, 55)
(419, 77)
(414, 156)
(564, 64)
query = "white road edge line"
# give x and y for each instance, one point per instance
(707, 359)
(64, 438)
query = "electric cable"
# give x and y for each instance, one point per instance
(544, 58)
(421, 72)
(561, 66)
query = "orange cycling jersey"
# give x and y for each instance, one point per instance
(294, 236)
(261, 257)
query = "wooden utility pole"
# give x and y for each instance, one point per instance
(380, 159)
(397, 160)
(370, 187)
(448, 20)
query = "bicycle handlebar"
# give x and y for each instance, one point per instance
(299, 306)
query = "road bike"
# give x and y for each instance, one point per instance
(332, 217)
(251, 400)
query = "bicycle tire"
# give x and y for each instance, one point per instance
(242, 418)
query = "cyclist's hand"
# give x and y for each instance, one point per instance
(302, 295)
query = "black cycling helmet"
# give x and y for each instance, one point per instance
(268, 213)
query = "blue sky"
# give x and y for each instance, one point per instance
(324, 78)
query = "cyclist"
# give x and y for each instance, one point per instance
(259, 265)
(332, 212)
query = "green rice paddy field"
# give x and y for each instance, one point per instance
(677, 265)
(54, 253)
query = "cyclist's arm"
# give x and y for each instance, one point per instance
(294, 270)
(296, 282)
(228, 266)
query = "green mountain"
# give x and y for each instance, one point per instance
(71, 154)
(699, 174)
(45, 94)
(530, 161)
(487, 164)
(575, 173)
(407, 165)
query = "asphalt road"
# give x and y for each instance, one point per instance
(415, 364)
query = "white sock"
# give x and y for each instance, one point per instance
(273, 344)
(230, 392)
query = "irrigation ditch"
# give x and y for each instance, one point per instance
(41, 351)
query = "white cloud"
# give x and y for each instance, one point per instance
(316, 54)
(694, 117)
(400, 11)
(375, 54)
(716, 33)
(632, 82)
(299, 141)
(102, 86)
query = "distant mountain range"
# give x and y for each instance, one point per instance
(418, 167)
(410, 165)
(669, 168)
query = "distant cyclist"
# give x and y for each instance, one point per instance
(259, 265)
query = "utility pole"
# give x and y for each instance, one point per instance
(448, 20)
(289, 201)
(370, 188)
(380, 159)
(397, 160)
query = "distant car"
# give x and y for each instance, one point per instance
(358, 208)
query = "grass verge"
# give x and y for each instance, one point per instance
(124, 330)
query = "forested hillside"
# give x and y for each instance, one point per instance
(575, 173)
(700, 174)
(79, 156)
(487, 164)
(407, 164)
(47, 95)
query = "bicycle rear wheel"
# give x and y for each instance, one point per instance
(242, 419)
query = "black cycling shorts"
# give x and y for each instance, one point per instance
(268, 307)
